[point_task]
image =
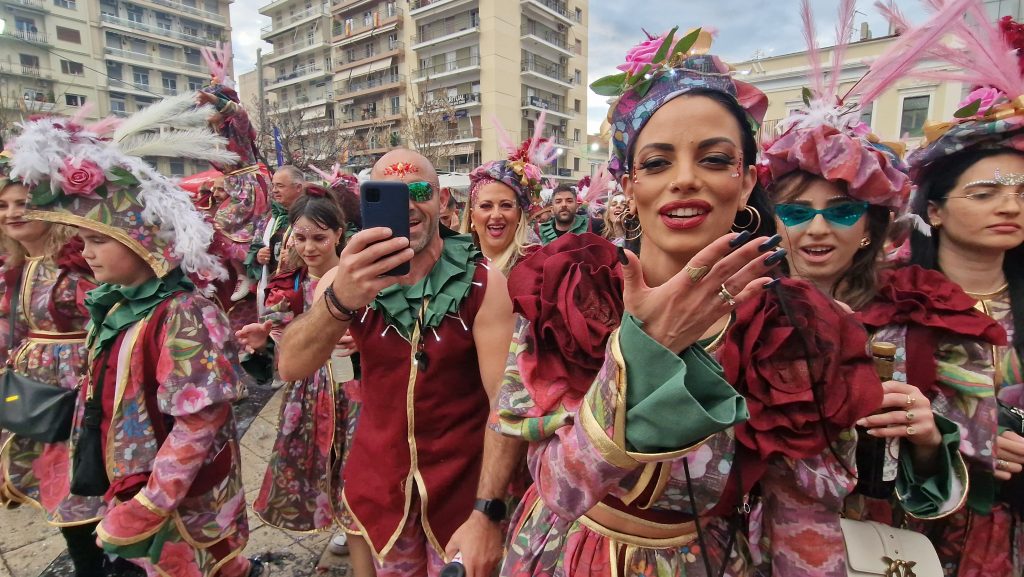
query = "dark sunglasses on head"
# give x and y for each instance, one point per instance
(420, 191)
(845, 214)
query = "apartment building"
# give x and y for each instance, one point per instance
(57, 55)
(481, 58)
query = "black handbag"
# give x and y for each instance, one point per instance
(1012, 491)
(29, 408)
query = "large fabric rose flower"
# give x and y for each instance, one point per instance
(800, 396)
(641, 55)
(571, 293)
(930, 305)
(82, 177)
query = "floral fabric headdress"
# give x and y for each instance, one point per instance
(94, 177)
(657, 71)
(521, 171)
(989, 56)
(826, 137)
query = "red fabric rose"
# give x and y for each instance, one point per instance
(930, 305)
(82, 178)
(571, 292)
(799, 398)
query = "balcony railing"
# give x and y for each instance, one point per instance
(143, 57)
(359, 86)
(23, 70)
(190, 10)
(36, 4)
(114, 82)
(380, 17)
(283, 23)
(117, 20)
(280, 51)
(468, 98)
(549, 36)
(555, 6)
(446, 28)
(386, 47)
(299, 72)
(544, 104)
(446, 67)
(552, 71)
(33, 37)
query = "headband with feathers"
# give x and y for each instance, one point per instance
(521, 171)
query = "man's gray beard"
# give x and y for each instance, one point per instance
(425, 242)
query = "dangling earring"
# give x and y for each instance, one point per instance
(632, 233)
(753, 222)
(864, 242)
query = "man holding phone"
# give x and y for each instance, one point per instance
(425, 478)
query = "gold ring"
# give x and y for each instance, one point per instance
(911, 431)
(696, 273)
(726, 296)
(1001, 464)
(910, 416)
(910, 400)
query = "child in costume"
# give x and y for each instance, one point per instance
(44, 283)
(157, 441)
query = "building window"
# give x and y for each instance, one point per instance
(367, 18)
(192, 56)
(134, 13)
(163, 21)
(170, 85)
(578, 78)
(866, 114)
(915, 111)
(391, 9)
(576, 164)
(73, 68)
(576, 135)
(392, 41)
(74, 99)
(195, 84)
(68, 4)
(190, 28)
(579, 46)
(579, 15)
(177, 167)
(211, 6)
(577, 105)
(69, 35)
(113, 70)
(396, 105)
(117, 106)
(140, 77)
(29, 62)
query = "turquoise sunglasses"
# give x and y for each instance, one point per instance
(845, 215)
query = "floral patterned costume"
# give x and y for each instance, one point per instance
(176, 505)
(618, 475)
(302, 487)
(50, 329)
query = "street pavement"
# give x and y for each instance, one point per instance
(30, 548)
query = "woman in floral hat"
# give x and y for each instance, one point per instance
(645, 385)
(969, 210)
(157, 441)
(503, 194)
(44, 282)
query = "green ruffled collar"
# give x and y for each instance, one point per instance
(108, 319)
(444, 288)
(549, 235)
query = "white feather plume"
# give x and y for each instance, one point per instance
(155, 115)
(192, 143)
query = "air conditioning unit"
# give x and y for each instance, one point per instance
(526, 114)
(563, 123)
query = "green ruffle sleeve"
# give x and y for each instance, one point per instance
(673, 401)
(936, 495)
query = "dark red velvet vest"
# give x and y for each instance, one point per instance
(449, 409)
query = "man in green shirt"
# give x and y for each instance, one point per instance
(565, 219)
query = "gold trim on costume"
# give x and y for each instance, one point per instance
(641, 484)
(960, 470)
(121, 384)
(623, 538)
(604, 509)
(161, 269)
(145, 502)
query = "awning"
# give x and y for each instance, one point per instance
(315, 112)
(361, 70)
(381, 64)
(346, 102)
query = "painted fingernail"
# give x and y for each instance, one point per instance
(775, 258)
(770, 284)
(622, 256)
(862, 423)
(769, 244)
(740, 239)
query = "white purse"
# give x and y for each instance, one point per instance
(876, 549)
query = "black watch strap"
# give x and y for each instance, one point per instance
(495, 509)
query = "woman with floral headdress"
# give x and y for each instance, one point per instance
(156, 441)
(835, 187)
(43, 282)
(502, 196)
(645, 386)
(969, 213)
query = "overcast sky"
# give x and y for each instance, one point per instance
(744, 26)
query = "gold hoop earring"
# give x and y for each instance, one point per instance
(753, 221)
(634, 232)
(864, 242)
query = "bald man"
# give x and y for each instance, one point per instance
(425, 478)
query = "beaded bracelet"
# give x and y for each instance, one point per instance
(332, 300)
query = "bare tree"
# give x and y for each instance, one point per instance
(304, 139)
(429, 126)
(16, 107)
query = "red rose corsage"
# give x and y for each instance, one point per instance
(571, 292)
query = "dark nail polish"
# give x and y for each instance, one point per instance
(775, 258)
(771, 243)
(622, 256)
(740, 239)
(768, 285)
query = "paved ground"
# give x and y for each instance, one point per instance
(30, 548)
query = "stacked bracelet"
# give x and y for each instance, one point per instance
(332, 301)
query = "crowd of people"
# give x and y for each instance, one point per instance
(714, 358)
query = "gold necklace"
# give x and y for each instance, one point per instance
(991, 295)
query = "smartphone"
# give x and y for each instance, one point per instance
(386, 203)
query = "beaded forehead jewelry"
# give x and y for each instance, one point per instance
(1011, 179)
(401, 169)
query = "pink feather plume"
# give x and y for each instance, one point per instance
(815, 75)
(217, 59)
(844, 29)
(600, 188)
(504, 140)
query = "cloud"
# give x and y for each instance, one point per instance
(246, 22)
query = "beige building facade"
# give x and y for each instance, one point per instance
(58, 55)
(482, 58)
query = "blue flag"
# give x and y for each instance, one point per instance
(277, 147)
